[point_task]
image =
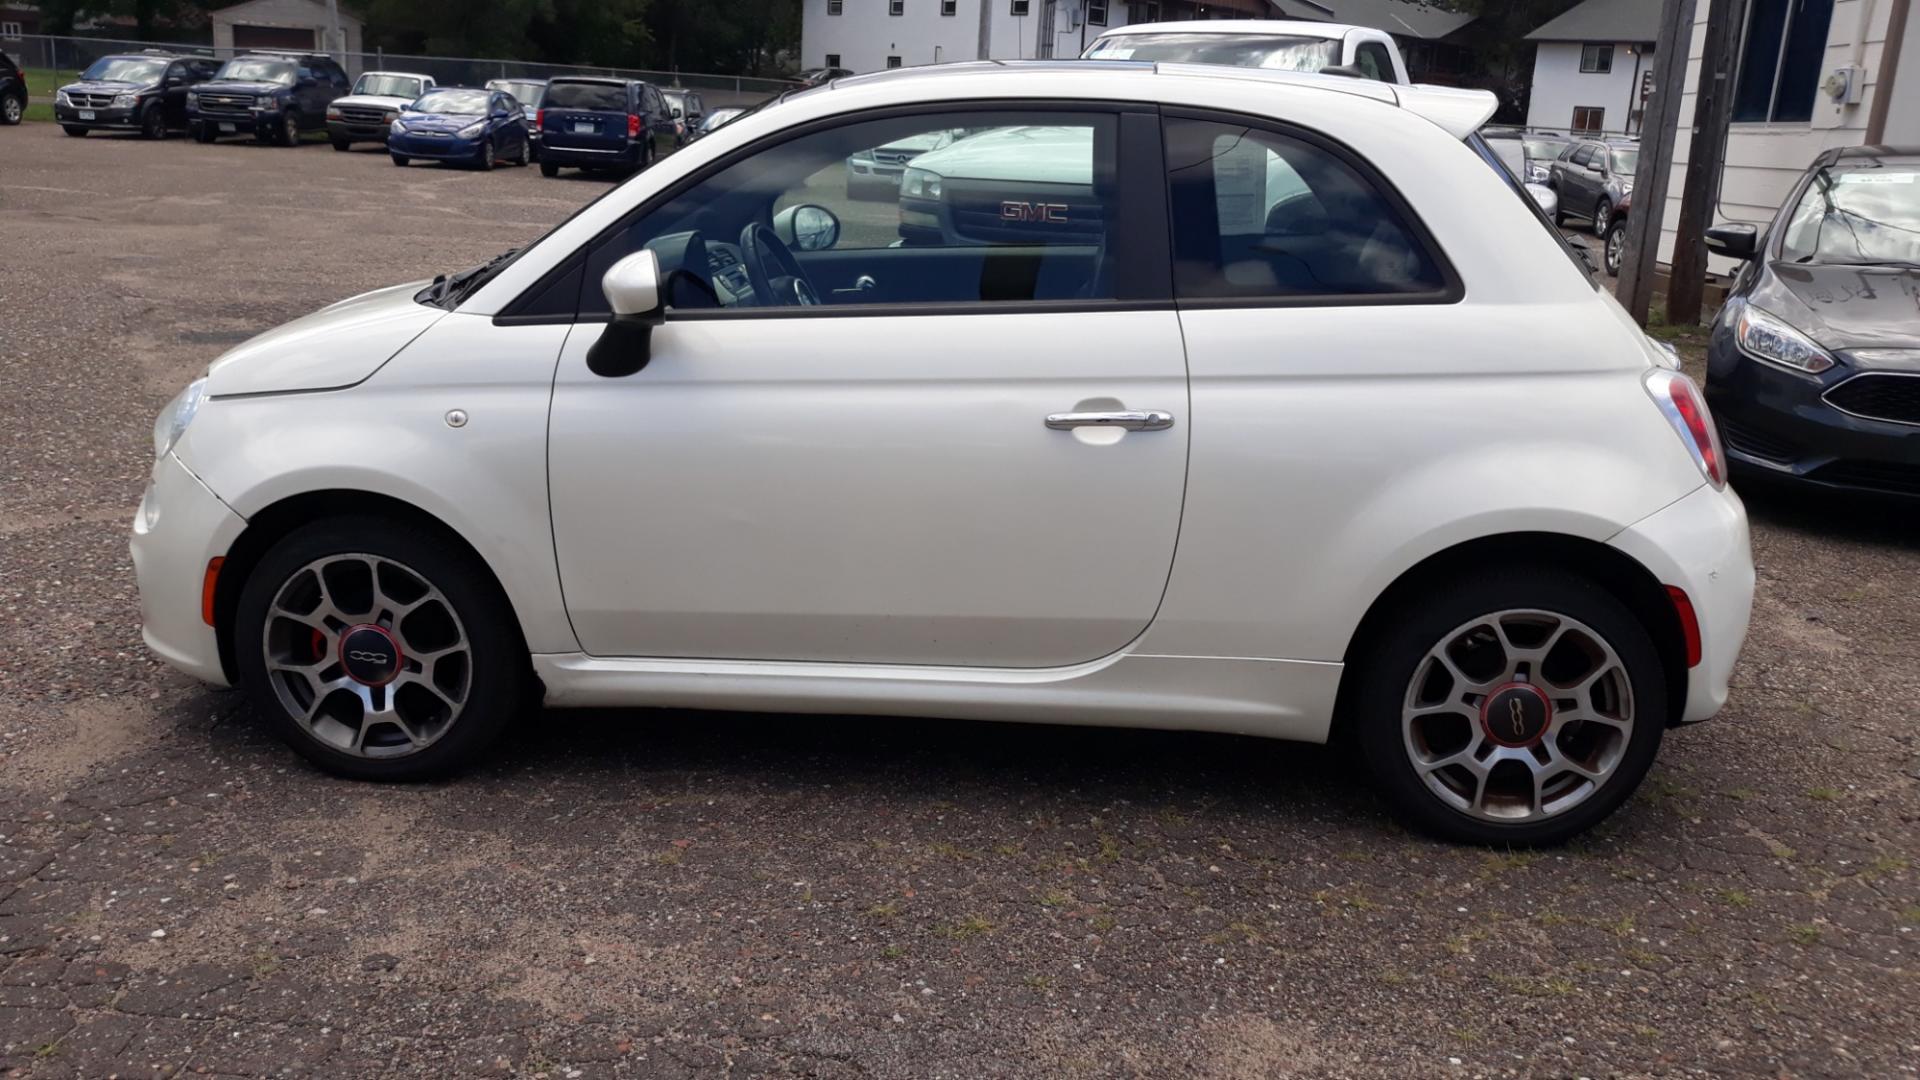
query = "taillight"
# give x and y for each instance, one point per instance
(540, 118)
(1689, 623)
(1683, 406)
(633, 125)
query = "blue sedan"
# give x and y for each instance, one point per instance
(473, 127)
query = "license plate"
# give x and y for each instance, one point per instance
(86, 114)
(583, 128)
(228, 129)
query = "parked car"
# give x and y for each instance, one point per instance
(632, 465)
(875, 172)
(1529, 154)
(144, 92)
(688, 109)
(1591, 176)
(820, 76)
(1614, 244)
(466, 127)
(368, 112)
(1813, 366)
(1275, 44)
(13, 91)
(274, 97)
(603, 123)
(718, 117)
(529, 93)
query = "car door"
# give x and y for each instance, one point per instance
(659, 121)
(173, 94)
(992, 481)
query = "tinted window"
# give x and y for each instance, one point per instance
(940, 208)
(1583, 155)
(1372, 58)
(603, 97)
(1258, 214)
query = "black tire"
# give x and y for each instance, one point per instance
(76, 132)
(13, 109)
(342, 145)
(1602, 216)
(204, 133)
(549, 169)
(486, 159)
(400, 159)
(523, 155)
(153, 123)
(1614, 247)
(289, 131)
(499, 674)
(1383, 676)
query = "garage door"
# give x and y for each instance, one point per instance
(272, 37)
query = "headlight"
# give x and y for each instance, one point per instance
(392, 116)
(123, 101)
(1536, 174)
(60, 98)
(473, 130)
(397, 128)
(173, 420)
(193, 99)
(921, 183)
(264, 101)
(1769, 339)
(333, 113)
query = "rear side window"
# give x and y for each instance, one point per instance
(1584, 155)
(1372, 59)
(1260, 215)
(599, 97)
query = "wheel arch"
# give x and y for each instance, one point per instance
(277, 520)
(1621, 574)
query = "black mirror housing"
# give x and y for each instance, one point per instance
(1737, 240)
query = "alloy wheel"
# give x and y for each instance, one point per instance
(1602, 217)
(1518, 716)
(10, 109)
(291, 131)
(1616, 249)
(367, 656)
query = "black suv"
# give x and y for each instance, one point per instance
(144, 92)
(271, 96)
(13, 91)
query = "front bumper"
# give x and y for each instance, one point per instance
(1700, 544)
(180, 527)
(1776, 424)
(346, 131)
(435, 148)
(127, 119)
(246, 123)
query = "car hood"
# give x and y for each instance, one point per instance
(378, 101)
(239, 87)
(1845, 307)
(334, 347)
(104, 86)
(1050, 155)
(439, 121)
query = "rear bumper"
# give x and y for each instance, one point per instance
(1700, 544)
(180, 527)
(590, 157)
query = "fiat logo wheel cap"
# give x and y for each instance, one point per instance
(371, 655)
(1516, 714)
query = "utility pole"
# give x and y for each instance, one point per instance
(986, 29)
(1657, 133)
(1713, 105)
(337, 42)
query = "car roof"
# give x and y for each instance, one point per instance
(1297, 27)
(604, 80)
(402, 74)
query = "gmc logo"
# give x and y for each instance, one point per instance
(1050, 212)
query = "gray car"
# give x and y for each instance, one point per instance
(1591, 177)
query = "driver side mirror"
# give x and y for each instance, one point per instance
(807, 227)
(632, 288)
(1736, 240)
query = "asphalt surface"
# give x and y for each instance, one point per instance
(675, 894)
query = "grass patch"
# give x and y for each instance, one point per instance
(1804, 934)
(1823, 794)
(883, 912)
(1736, 898)
(41, 83)
(892, 952)
(972, 926)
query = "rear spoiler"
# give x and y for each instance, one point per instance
(1458, 112)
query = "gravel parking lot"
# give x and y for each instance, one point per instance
(673, 894)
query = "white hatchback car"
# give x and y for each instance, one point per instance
(1243, 423)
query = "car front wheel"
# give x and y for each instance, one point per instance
(289, 130)
(1517, 708)
(74, 130)
(153, 124)
(378, 650)
(12, 109)
(549, 169)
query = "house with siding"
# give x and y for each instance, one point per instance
(1593, 67)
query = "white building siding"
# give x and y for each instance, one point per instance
(1903, 112)
(863, 35)
(1559, 86)
(1763, 160)
(287, 14)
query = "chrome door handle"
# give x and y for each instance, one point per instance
(1144, 420)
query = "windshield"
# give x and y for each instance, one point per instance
(1625, 162)
(274, 71)
(605, 97)
(462, 102)
(125, 69)
(1276, 51)
(1861, 215)
(525, 91)
(1544, 149)
(378, 85)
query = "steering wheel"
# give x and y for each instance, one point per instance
(777, 277)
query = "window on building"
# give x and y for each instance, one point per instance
(896, 7)
(893, 61)
(1781, 60)
(834, 7)
(9, 29)
(1019, 9)
(1143, 11)
(1596, 59)
(949, 7)
(1589, 118)
(833, 60)
(1096, 12)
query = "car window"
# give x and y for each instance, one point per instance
(1857, 215)
(1583, 154)
(596, 96)
(950, 207)
(1372, 59)
(1257, 214)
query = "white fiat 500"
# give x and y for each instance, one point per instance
(1183, 397)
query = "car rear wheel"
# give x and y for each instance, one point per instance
(76, 132)
(400, 159)
(153, 123)
(1616, 245)
(548, 168)
(12, 109)
(1602, 217)
(203, 133)
(523, 155)
(289, 133)
(342, 145)
(1519, 707)
(378, 651)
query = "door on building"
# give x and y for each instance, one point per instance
(286, 38)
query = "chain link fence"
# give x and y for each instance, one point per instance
(73, 54)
